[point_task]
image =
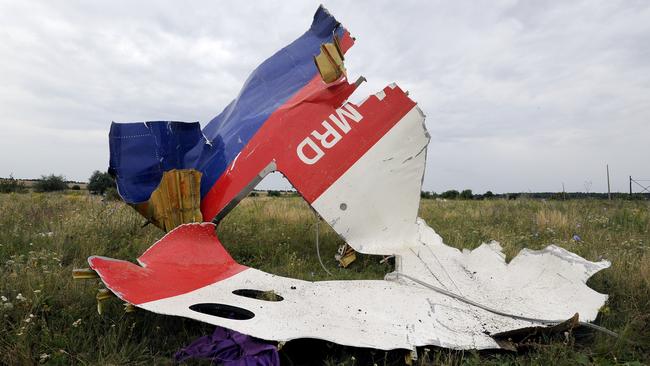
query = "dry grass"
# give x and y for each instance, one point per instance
(52, 319)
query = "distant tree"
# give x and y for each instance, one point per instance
(450, 195)
(488, 195)
(253, 194)
(50, 183)
(100, 182)
(466, 194)
(76, 187)
(272, 193)
(425, 194)
(12, 184)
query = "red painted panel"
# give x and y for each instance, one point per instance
(316, 99)
(187, 258)
(289, 126)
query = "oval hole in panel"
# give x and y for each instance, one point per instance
(223, 311)
(259, 295)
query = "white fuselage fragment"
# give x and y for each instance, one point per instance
(402, 314)
(373, 205)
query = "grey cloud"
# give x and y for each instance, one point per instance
(519, 95)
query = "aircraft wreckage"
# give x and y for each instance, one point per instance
(360, 167)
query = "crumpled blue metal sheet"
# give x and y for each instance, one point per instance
(142, 152)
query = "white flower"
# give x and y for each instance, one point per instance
(8, 306)
(44, 357)
(3, 298)
(76, 323)
(20, 297)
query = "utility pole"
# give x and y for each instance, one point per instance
(609, 191)
(630, 185)
(564, 192)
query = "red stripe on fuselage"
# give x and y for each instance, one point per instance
(187, 258)
(294, 121)
(249, 162)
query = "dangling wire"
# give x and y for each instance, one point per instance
(498, 312)
(320, 260)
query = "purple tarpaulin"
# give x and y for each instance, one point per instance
(230, 348)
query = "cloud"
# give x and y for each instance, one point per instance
(519, 95)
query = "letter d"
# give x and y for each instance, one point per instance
(300, 150)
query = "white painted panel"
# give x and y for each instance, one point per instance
(402, 314)
(374, 204)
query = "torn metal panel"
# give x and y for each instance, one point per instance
(553, 274)
(360, 166)
(366, 185)
(345, 255)
(330, 61)
(142, 152)
(177, 200)
(373, 204)
(206, 285)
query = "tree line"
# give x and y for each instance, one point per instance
(468, 195)
(100, 183)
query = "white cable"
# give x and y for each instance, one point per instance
(498, 312)
(318, 247)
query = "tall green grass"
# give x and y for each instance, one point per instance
(46, 317)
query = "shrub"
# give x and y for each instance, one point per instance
(272, 193)
(100, 182)
(76, 187)
(466, 194)
(11, 184)
(488, 195)
(51, 183)
(451, 194)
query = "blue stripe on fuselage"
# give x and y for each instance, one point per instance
(267, 88)
(142, 152)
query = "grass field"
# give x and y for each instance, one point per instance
(46, 317)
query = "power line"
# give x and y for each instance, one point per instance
(643, 187)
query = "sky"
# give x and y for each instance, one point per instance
(520, 96)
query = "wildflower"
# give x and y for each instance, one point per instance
(20, 297)
(44, 357)
(76, 323)
(4, 299)
(8, 306)
(37, 291)
(576, 237)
